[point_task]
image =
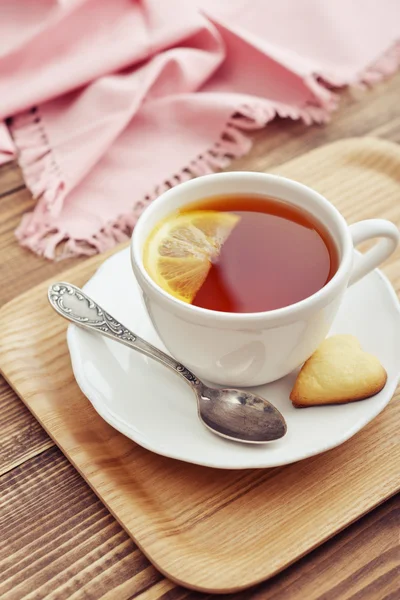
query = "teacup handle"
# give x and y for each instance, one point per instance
(366, 230)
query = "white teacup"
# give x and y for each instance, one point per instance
(249, 349)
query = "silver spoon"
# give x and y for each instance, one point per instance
(230, 413)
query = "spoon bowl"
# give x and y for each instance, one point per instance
(234, 414)
(240, 415)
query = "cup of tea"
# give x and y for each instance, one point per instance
(242, 273)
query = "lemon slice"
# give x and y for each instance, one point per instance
(179, 252)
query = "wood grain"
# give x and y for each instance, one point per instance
(59, 541)
(21, 435)
(171, 508)
(10, 179)
(375, 111)
(327, 573)
(21, 269)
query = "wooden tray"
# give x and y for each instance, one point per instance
(213, 530)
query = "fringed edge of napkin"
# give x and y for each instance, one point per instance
(47, 184)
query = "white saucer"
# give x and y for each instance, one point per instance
(152, 406)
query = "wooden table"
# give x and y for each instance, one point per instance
(57, 540)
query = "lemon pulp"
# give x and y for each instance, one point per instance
(180, 250)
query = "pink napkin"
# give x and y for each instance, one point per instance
(131, 97)
(7, 148)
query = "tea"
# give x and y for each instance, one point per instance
(276, 255)
(270, 255)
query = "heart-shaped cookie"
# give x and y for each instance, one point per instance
(339, 371)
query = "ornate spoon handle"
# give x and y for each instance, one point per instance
(73, 304)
